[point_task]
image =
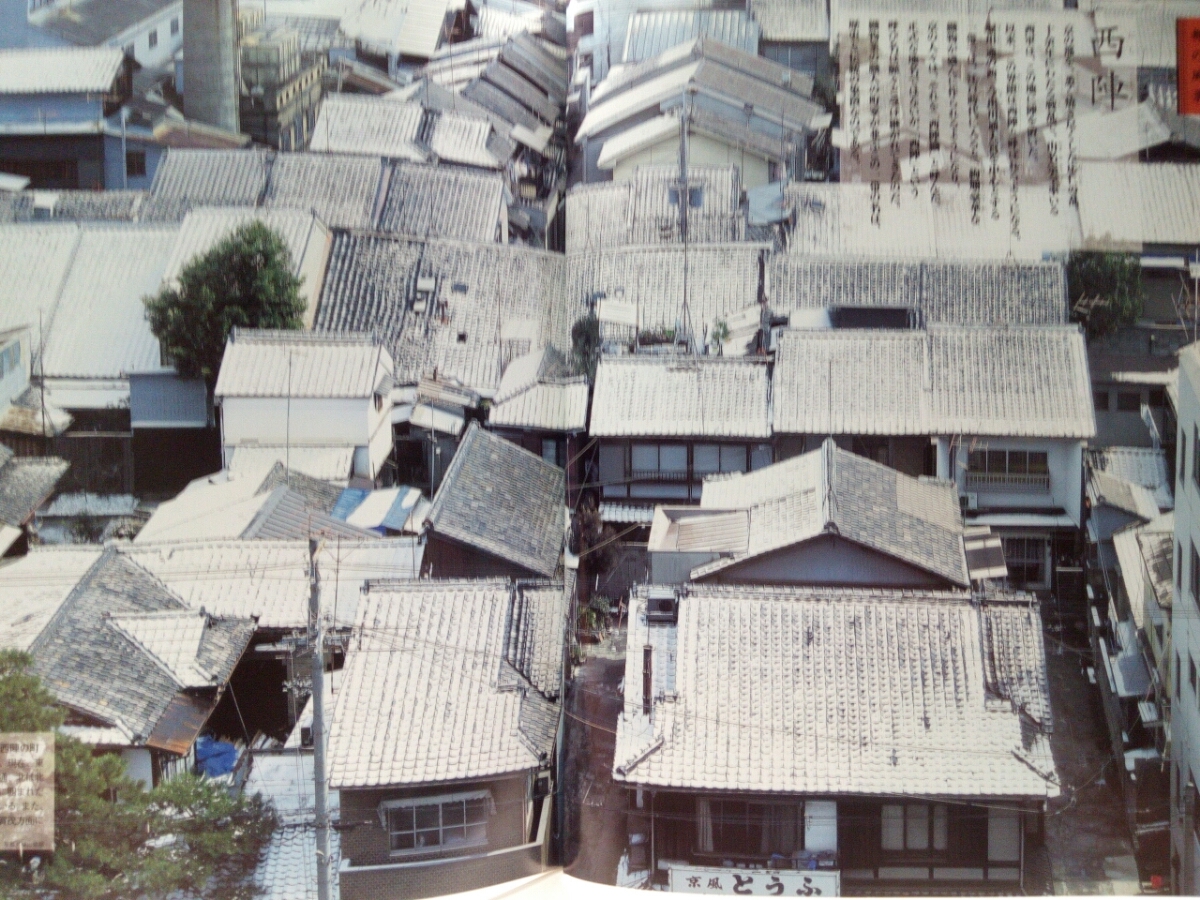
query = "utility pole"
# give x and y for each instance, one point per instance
(316, 639)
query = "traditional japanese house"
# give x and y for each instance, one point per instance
(834, 738)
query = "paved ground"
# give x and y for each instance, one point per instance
(1087, 841)
(595, 806)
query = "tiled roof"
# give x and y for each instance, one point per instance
(721, 279)
(288, 868)
(1123, 205)
(203, 229)
(946, 292)
(269, 580)
(503, 500)
(833, 490)
(394, 27)
(533, 394)
(92, 666)
(427, 694)
(1007, 381)
(1014, 656)
(26, 482)
(89, 206)
(535, 632)
(101, 21)
(667, 396)
(211, 178)
(791, 20)
(173, 638)
(369, 126)
(286, 515)
(650, 32)
(34, 586)
(341, 190)
(262, 363)
(99, 329)
(1138, 465)
(639, 211)
(836, 220)
(443, 201)
(59, 70)
(491, 303)
(836, 692)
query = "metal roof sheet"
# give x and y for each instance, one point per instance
(202, 229)
(397, 27)
(301, 364)
(463, 140)
(1125, 205)
(1011, 381)
(34, 262)
(187, 178)
(650, 32)
(99, 328)
(665, 396)
(442, 707)
(838, 692)
(60, 70)
(369, 126)
(1138, 465)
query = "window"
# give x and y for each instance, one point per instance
(585, 23)
(1026, 560)
(1128, 401)
(1195, 575)
(612, 470)
(441, 823)
(1196, 454)
(915, 827)
(1158, 398)
(550, 451)
(1192, 673)
(153, 38)
(740, 828)
(174, 27)
(10, 358)
(128, 50)
(135, 163)
(1100, 400)
(1008, 470)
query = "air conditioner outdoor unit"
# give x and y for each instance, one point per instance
(662, 605)
(970, 500)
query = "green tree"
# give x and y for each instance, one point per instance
(115, 839)
(585, 346)
(1105, 290)
(245, 281)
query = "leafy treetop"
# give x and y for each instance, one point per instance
(245, 281)
(116, 839)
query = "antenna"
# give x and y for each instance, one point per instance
(287, 428)
(316, 636)
(684, 197)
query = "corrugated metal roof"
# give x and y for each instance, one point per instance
(164, 400)
(403, 702)
(210, 178)
(946, 292)
(791, 21)
(369, 126)
(651, 32)
(59, 70)
(1125, 205)
(1003, 381)
(667, 396)
(839, 692)
(686, 529)
(399, 27)
(463, 140)
(1138, 465)
(99, 329)
(301, 364)
(34, 262)
(203, 229)
(334, 463)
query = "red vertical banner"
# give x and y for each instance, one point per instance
(1187, 60)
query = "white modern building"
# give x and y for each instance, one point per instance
(1185, 636)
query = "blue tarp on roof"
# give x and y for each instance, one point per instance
(348, 502)
(401, 509)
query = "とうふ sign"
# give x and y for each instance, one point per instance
(755, 882)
